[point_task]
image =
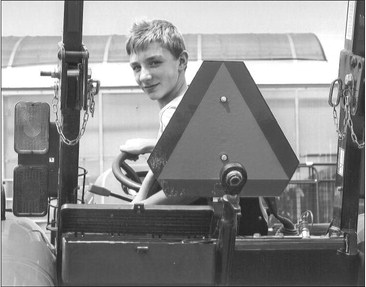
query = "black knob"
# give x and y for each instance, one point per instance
(233, 177)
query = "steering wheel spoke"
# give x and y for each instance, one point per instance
(131, 180)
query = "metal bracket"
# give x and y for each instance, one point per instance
(353, 75)
(138, 207)
(227, 234)
(350, 247)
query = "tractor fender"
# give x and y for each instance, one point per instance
(28, 257)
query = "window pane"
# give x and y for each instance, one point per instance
(7, 46)
(308, 46)
(282, 104)
(125, 116)
(43, 49)
(37, 51)
(317, 129)
(96, 46)
(117, 50)
(261, 46)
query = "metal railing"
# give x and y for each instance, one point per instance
(311, 188)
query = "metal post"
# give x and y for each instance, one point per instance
(316, 179)
(350, 175)
(69, 155)
(70, 110)
(227, 235)
(101, 133)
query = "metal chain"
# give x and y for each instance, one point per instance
(334, 105)
(336, 123)
(59, 124)
(348, 120)
(92, 91)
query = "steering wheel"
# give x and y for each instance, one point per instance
(130, 179)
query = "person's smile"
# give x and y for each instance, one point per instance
(150, 87)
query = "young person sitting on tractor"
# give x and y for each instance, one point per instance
(158, 58)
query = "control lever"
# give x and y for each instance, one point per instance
(106, 192)
(288, 227)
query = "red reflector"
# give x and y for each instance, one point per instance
(30, 190)
(31, 127)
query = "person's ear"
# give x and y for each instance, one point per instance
(183, 60)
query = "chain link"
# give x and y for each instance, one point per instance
(336, 123)
(347, 121)
(90, 107)
(92, 91)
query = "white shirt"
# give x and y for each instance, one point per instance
(166, 113)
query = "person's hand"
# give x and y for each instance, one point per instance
(146, 185)
(138, 146)
(137, 200)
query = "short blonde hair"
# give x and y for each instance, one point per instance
(146, 32)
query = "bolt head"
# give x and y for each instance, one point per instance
(224, 157)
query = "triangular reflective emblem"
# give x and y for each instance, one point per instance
(222, 118)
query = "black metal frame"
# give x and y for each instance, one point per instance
(350, 177)
(70, 110)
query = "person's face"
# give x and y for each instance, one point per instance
(157, 72)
